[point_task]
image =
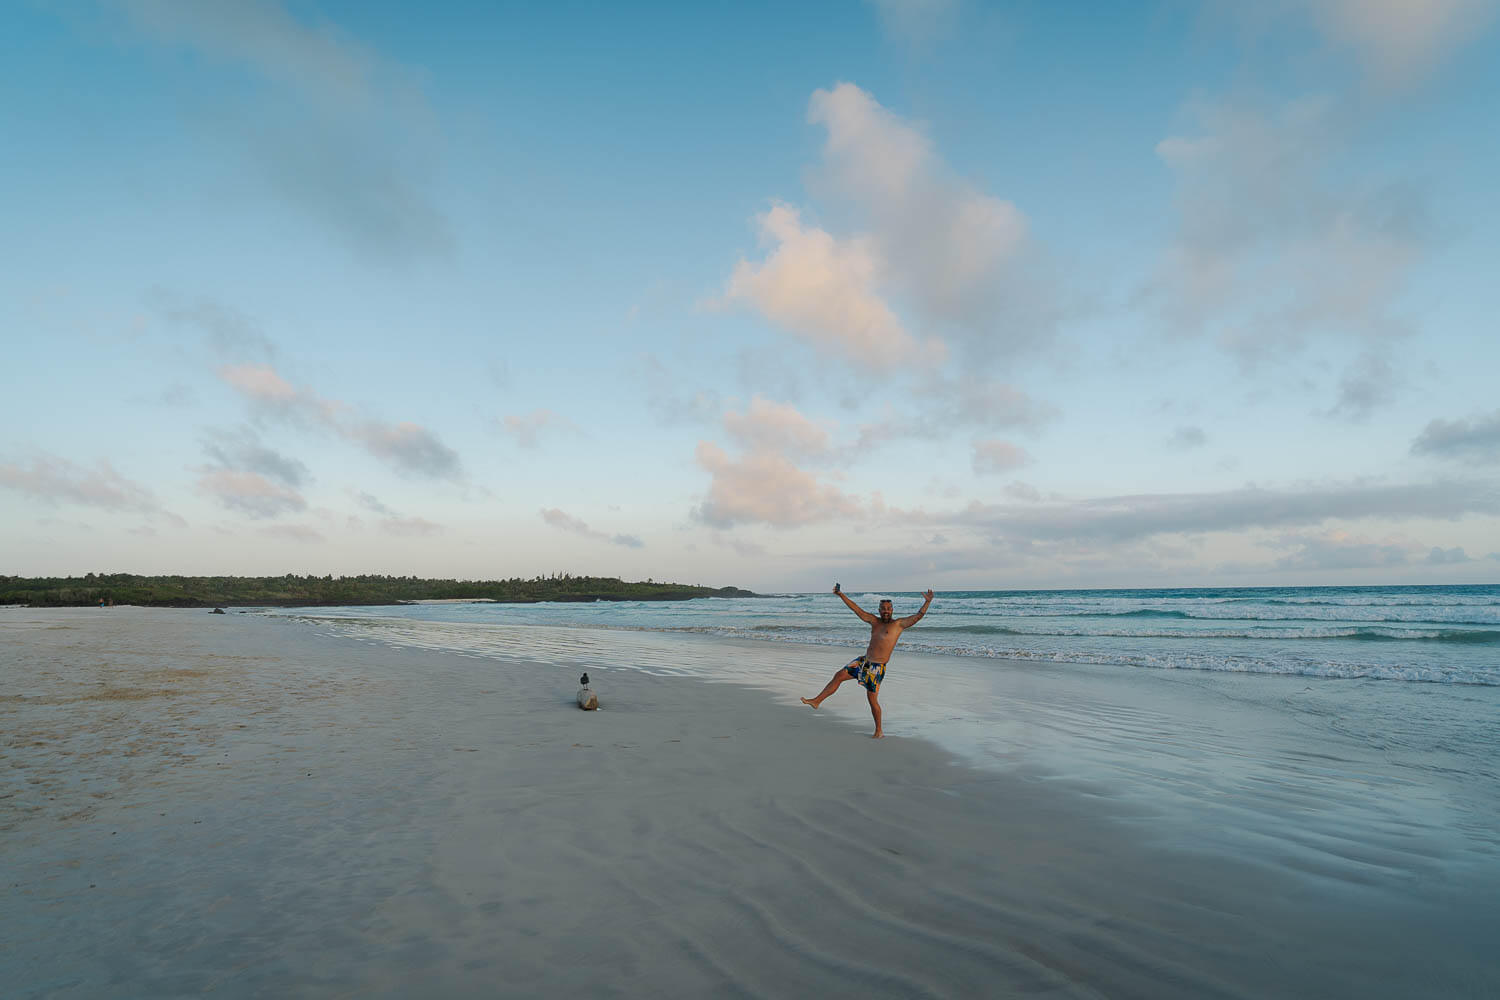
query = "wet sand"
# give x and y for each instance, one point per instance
(192, 803)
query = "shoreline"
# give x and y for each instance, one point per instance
(299, 812)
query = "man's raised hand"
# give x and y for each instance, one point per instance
(927, 594)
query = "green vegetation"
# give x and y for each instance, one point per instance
(307, 591)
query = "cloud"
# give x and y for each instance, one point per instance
(1368, 384)
(962, 258)
(1270, 251)
(176, 395)
(355, 185)
(771, 426)
(250, 493)
(1476, 439)
(409, 448)
(312, 60)
(1334, 550)
(243, 450)
(340, 133)
(292, 533)
(765, 487)
(274, 398)
(1186, 438)
(823, 290)
(410, 527)
(996, 456)
(372, 504)
(391, 522)
(527, 429)
(959, 259)
(916, 22)
(673, 405)
(740, 546)
(228, 332)
(977, 401)
(1447, 557)
(1018, 490)
(57, 480)
(564, 521)
(1399, 40)
(1130, 518)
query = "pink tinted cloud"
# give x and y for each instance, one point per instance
(996, 456)
(408, 447)
(250, 493)
(57, 480)
(822, 289)
(766, 487)
(771, 426)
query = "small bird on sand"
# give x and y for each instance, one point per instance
(584, 680)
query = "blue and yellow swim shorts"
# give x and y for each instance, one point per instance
(867, 673)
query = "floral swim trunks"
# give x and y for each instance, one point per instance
(867, 673)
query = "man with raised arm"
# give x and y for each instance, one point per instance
(869, 669)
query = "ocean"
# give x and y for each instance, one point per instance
(1350, 734)
(1446, 635)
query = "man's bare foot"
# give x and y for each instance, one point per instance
(809, 701)
(877, 736)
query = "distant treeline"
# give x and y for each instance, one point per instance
(304, 591)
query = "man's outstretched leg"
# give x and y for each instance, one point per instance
(833, 685)
(875, 711)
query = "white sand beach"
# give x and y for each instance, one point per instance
(239, 805)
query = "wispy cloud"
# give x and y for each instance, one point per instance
(372, 504)
(229, 333)
(1398, 41)
(528, 429)
(242, 449)
(250, 493)
(56, 480)
(917, 23)
(1336, 550)
(671, 403)
(1474, 439)
(1270, 253)
(564, 521)
(300, 533)
(996, 456)
(410, 527)
(409, 448)
(1186, 438)
(340, 133)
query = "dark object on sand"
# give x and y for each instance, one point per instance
(587, 700)
(217, 611)
(584, 680)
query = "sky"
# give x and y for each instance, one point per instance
(897, 293)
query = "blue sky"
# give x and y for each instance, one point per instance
(915, 292)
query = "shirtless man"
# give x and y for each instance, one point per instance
(869, 669)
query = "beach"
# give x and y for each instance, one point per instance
(251, 804)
